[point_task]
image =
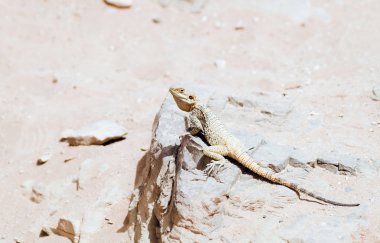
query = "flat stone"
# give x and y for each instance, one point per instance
(98, 133)
(69, 228)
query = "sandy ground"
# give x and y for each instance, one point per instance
(65, 64)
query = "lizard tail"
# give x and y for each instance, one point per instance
(249, 163)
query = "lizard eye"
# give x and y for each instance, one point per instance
(181, 90)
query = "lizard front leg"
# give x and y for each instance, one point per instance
(194, 125)
(216, 153)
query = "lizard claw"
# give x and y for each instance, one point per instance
(215, 166)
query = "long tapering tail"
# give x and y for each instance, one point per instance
(249, 163)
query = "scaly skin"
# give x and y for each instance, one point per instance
(224, 143)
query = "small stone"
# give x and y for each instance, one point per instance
(67, 160)
(119, 3)
(109, 221)
(220, 63)
(376, 93)
(38, 192)
(240, 26)
(98, 133)
(293, 85)
(53, 212)
(45, 231)
(44, 158)
(68, 228)
(156, 20)
(313, 113)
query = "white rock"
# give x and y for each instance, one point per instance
(119, 3)
(97, 133)
(238, 206)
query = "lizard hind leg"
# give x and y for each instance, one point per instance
(216, 153)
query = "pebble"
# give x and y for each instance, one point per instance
(220, 63)
(109, 221)
(68, 160)
(240, 26)
(43, 159)
(376, 93)
(17, 240)
(156, 20)
(313, 113)
(119, 3)
(293, 85)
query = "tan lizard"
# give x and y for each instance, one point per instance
(223, 143)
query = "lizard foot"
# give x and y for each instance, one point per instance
(215, 166)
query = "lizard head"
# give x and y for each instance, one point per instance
(185, 101)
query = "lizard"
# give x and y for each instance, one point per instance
(224, 144)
